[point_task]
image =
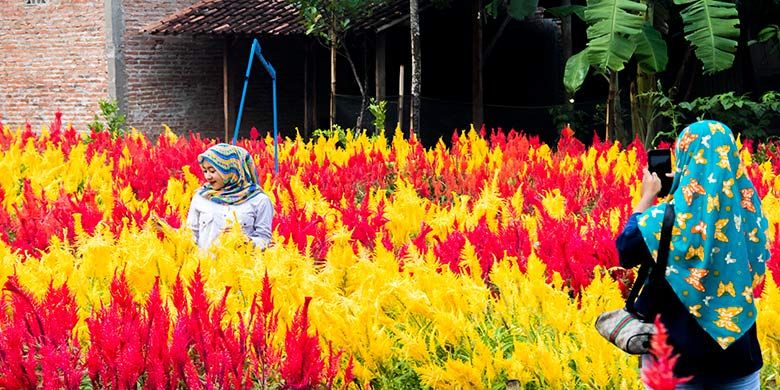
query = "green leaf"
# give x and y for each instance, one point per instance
(567, 10)
(521, 9)
(711, 26)
(769, 32)
(650, 49)
(576, 70)
(492, 7)
(612, 23)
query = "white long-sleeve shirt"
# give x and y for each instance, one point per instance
(208, 219)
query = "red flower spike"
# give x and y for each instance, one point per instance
(660, 374)
(303, 365)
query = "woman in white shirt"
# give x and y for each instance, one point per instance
(231, 192)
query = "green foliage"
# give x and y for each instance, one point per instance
(743, 115)
(334, 132)
(320, 16)
(769, 34)
(568, 10)
(577, 67)
(650, 49)
(617, 30)
(397, 374)
(611, 25)
(518, 9)
(110, 119)
(711, 26)
(378, 108)
(583, 119)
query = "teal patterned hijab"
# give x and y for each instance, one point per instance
(718, 248)
(238, 172)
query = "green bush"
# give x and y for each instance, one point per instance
(110, 119)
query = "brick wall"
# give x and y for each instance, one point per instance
(52, 57)
(170, 80)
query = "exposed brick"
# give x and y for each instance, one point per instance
(52, 57)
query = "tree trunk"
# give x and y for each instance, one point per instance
(567, 51)
(477, 95)
(332, 75)
(645, 82)
(611, 130)
(361, 86)
(414, 27)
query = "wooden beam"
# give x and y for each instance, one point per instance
(225, 88)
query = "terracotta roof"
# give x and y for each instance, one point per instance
(255, 17)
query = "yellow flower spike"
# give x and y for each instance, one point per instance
(406, 213)
(169, 134)
(615, 220)
(488, 205)
(554, 204)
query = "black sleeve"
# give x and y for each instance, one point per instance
(631, 246)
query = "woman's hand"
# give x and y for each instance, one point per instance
(651, 186)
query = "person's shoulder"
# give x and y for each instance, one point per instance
(260, 199)
(200, 202)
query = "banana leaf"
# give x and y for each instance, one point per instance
(711, 26)
(612, 23)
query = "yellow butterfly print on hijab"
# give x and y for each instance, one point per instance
(686, 140)
(719, 225)
(723, 153)
(691, 189)
(727, 184)
(753, 235)
(713, 203)
(694, 279)
(726, 318)
(682, 219)
(698, 158)
(725, 341)
(747, 199)
(694, 310)
(726, 289)
(748, 294)
(717, 128)
(698, 252)
(700, 228)
(757, 279)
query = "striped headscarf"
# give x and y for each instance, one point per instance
(238, 172)
(718, 249)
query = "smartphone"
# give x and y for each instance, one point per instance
(660, 162)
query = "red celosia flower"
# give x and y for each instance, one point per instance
(303, 365)
(660, 374)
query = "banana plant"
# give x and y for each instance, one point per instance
(617, 31)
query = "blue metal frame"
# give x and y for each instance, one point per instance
(272, 72)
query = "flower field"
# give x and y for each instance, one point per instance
(394, 266)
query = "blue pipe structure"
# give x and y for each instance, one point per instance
(256, 51)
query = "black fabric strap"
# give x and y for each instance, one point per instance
(661, 261)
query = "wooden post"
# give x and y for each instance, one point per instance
(477, 96)
(416, 88)
(306, 90)
(225, 89)
(401, 96)
(333, 74)
(379, 66)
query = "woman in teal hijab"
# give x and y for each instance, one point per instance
(717, 256)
